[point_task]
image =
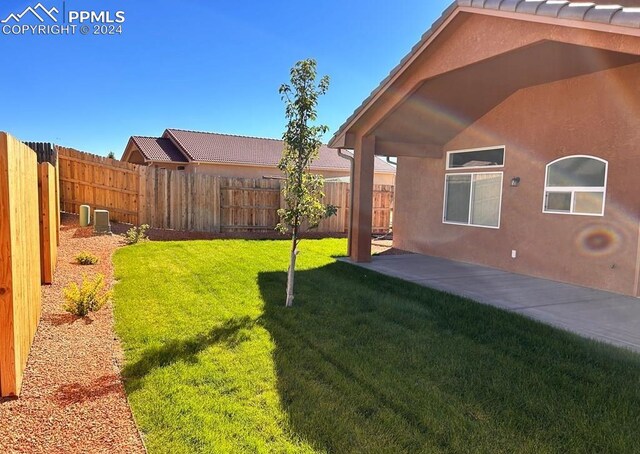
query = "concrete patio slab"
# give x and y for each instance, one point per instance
(597, 314)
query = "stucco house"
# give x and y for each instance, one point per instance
(517, 130)
(234, 156)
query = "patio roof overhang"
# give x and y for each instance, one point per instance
(422, 105)
(440, 108)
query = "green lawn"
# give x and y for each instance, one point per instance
(361, 363)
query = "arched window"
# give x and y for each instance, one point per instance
(576, 185)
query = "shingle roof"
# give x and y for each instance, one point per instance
(158, 149)
(602, 12)
(231, 149)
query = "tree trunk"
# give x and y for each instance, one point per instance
(292, 271)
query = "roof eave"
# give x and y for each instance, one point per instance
(154, 161)
(337, 141)
(560, 21)
(340, 138)
(128, 150)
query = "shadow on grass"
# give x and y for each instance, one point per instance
(185, 350)
(368, 363)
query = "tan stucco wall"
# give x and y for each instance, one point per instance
(597, 115)
(259, 172)
(171, 165)
(380, 178)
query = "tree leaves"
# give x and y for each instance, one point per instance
(302, 190)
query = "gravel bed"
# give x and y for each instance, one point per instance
(72, 398)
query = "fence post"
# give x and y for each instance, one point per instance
(344, 200)
(142, 195)
(57, 196)
(217, 209)
(48, 221)
(283, 202)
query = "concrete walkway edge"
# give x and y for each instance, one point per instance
(596, 314)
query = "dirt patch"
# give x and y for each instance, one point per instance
(72, 396)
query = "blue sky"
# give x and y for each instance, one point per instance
(197, 64)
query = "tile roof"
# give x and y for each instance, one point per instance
(232, 149)
(158, 149)
(602, 12)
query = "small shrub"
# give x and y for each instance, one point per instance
(86, 258)
(89, 296)
(136, 234)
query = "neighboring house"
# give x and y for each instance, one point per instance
(234, 156)
(517, 130)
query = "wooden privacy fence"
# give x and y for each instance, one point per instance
(20, 299)
(29, 238)
(179, 200)
(46, 152)
(49, 219)
(49, 197)
(102, 183)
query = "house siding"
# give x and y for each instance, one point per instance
(596, 114)
(237, 171)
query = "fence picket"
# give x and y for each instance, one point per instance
(179, 200)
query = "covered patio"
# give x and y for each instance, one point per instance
(456, 75)
(603, 316)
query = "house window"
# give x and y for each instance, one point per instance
(180, 167)
(576, 185)
(473, 199)
(475, 159)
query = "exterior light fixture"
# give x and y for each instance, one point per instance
(515, 182)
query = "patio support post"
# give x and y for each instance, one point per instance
(363, 167)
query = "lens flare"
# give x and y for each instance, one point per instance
(598, 240)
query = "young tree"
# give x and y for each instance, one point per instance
(302, 190)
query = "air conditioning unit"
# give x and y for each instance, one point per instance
(101, 223)
(85, 215)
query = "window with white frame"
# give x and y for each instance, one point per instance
(473, 198)
(474, 159)
(576, 185)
